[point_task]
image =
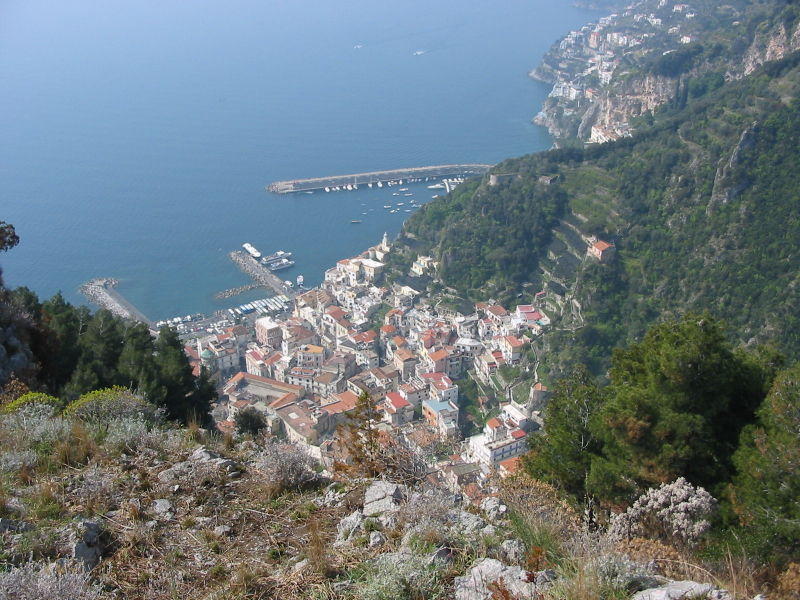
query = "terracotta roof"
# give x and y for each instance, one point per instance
(241, 375)
(388, 329)
(273, 358)
(335, 311)
(497, 310)
(601, 245)
(514, 342)
(539, 387)
(493, 423)
(511, 465)
(518, 434)
(399, 341)
(366, 336)
(397, 401)
(342, 403)
(255, 354)
(326, 378)
(283, 401)
(404, 354)
(439, 355)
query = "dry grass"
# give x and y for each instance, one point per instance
(77, 449)
(788, 585)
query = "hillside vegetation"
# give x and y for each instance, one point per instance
(702, 206)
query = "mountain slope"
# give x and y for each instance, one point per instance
(702, 206)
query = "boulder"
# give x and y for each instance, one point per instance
(203, 454)
(15, 526)
(513, 551)
(85, 543)
(348, 526)
(676, 590)
(163, 508)
(494, 508)
(468, 522)
(487, 575)
(376, 539)
(382, 497)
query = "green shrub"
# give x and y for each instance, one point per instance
(32, 398)
(111, 403)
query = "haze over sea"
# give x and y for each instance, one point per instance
(138, 135)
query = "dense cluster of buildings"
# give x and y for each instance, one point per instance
(585, 59)
(304, 371)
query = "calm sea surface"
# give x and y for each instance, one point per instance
(136, 136)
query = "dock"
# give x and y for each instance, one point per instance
(260, 274)
(377, 177)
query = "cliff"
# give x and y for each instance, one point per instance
(626, 66)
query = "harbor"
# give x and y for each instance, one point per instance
(259, 273)
(377, 178)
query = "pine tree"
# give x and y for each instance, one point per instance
(563, 455)
(361, 437)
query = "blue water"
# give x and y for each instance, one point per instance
(136, 136)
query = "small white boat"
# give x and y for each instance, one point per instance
(327, 189)
(380, 184)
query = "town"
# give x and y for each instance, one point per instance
(303, 370)
(584, 65)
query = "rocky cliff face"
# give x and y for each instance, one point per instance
(612, 112)
(771, 45)
(595, 113)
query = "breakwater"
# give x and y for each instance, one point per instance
(230, 293)
(101, 292)
(376, 178)
(261, 275)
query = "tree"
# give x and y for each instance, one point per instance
(562, 455)
(677, 402)
(361, 437)
(185, 398)
(766, 487)
(136, 368)
(249, 421)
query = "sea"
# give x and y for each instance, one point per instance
(137, 136)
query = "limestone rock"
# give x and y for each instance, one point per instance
(376, 539)
(382, 497)
(222, 530)
(479, 583)
(513, 551)
(676, 590)
(469, 523)
(300, 566)
(12, 525)
(332, 497)
(203, 454)
(86, 546)
(494, 508)
(163, 508)
(348, 526)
